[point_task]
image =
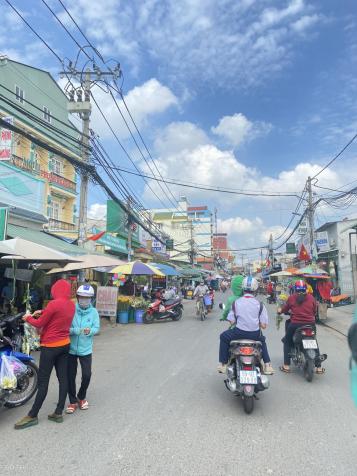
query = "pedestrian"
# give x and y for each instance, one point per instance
(84, 326)
(54, 322)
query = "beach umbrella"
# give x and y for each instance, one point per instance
(166, 269)
(89, 262)
(137, 268)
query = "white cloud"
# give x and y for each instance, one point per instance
(237, 129)
(97, 211)
(179, 136)
(145, 101)
(228, 43)
(305, 22)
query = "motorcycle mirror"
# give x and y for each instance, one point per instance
(1, 334)
(222, 306)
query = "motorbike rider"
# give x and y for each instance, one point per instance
(303, 309)
(84, 326)
(199, 292)
(236, 287)
(250, 317)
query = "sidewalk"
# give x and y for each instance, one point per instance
(340, 318)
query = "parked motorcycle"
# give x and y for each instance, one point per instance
(11, 334)
(160, 310)
(244, 371)
(305, 352)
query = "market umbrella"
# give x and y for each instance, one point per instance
(137, 268)
(88, 262)
(310, 270)
(166, 269)
(281, 273)
(20, 249)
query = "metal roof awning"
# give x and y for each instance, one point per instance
(350, 226)
(42, 238)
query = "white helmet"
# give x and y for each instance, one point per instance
(250, 284)
(85, 290)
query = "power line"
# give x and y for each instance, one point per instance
(336, 156)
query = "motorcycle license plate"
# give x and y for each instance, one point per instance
(309, 344)
(248, 377)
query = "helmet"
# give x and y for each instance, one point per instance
(85, 290)
(250, 284)
(300, 286)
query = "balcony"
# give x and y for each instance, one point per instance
(58, 225)
(62, 182)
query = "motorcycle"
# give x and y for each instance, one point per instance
(272, 298)
(160, 310)
(11, 335)
(244, 371)
(305, 351)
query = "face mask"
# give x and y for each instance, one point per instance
(84, 303)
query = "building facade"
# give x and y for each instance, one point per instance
(38, 187)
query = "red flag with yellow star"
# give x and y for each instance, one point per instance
(303, 254)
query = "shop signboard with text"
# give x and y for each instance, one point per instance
(107, 300)
(6, 140)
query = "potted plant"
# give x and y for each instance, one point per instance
(123, 309)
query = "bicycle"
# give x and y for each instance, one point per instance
(201, 310)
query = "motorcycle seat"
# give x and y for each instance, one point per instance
(169, 302)
(246, 342)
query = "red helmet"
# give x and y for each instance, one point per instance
(300, 286)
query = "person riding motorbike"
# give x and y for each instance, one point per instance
(236, 287)
(303, 309)
(199, 292)
(250, 317)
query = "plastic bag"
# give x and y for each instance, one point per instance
(8, 380)
(31, 340)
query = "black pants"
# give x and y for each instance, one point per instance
(52, 357)
(86, 366)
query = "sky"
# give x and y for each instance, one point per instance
(240, 94)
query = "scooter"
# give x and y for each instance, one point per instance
(10, 345)
(160, 310)
(244, 371)
(305, 351)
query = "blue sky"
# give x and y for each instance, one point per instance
(249, 94)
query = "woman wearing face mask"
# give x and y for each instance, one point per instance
(84, 326)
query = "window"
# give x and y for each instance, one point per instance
(55, 210)
(57, 166)
(47, 114)
(20, 94)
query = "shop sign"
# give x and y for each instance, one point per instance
(3, 223)
(107, 300)
(322, 242)
(20, 189)
(6, 140)
(117, 221)
(158, 247)
(303, 229)
(290, 249)
(113, 242)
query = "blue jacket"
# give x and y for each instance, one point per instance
(82, 344)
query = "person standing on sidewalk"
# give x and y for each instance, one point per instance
(54, 323)
(84, 326)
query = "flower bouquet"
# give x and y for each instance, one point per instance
(139, 303)
(124, 302)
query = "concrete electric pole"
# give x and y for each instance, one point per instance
(310, 210)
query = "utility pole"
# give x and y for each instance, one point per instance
(310, 210)
(271, 250)
(76, 105)
(192, 243)
(130, 231)
(212, 253)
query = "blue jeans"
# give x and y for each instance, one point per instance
(235, 334)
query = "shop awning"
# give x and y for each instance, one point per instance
(45, 239)
(166, 269)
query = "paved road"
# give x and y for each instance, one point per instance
(158, 407)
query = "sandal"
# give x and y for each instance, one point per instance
(320, 370)
(284, 369)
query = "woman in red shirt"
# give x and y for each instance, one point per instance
(303, 309)
(54, 322)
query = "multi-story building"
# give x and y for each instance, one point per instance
(189, 226)
(38, 186)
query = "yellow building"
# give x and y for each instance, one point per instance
(38, 187)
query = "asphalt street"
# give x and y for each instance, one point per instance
(158, 407)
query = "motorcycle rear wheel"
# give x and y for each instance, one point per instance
(309, 370)
(148, 318)
(178, 315)
(248, 404)
(28, 387)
